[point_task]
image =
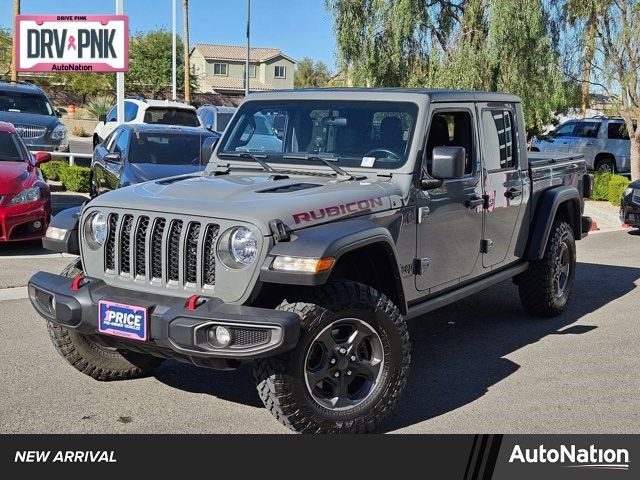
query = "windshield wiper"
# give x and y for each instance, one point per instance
(259, 161)
(341, 174)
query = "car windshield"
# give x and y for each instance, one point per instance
(171, 116)
(10, 151)
(25, 103)
(352, 133)
(167, 148)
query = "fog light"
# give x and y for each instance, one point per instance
(219, 336)
(37, 225)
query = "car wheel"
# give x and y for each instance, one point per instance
(349, 367)
(606, 165)
(545, 289)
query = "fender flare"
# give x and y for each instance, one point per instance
(67, 223)
(545, 214)
(331, 240)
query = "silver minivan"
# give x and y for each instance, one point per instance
(603, 141)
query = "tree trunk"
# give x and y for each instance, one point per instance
(185, 41)
(589, 49)
(635, 157)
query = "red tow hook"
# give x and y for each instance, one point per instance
(77, 282)
(194, 302)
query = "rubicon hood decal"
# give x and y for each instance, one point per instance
(337, 210)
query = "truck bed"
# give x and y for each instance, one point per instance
(544, 159)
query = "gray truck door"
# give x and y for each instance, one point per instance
(449, 218)
(503, 185)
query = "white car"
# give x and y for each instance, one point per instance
(147, 111)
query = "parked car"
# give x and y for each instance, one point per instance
(215, 117)
(135, 153)
(31, 112)
(260, 136)
(141, 110)
(603, 141)
(309, 258)
(25, 200)
(630, 206)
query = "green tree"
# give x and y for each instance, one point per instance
(150, 64)
(311, 74)
(86, 84)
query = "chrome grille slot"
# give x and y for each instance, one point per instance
(141, 246)
(173, 251)
(29, 131)
(110, 247)
(125, 245)
(191, 253)
(209, 255)
(156, 248)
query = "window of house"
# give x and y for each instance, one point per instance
(252, 70)
(499, 140)
(220, 69)
(617, 131)
(587, 129)
(280, 71)
(451, 129)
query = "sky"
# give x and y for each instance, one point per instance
(300, 28)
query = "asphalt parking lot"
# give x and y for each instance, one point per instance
(481, 365)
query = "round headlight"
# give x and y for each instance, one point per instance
(96, 229)
(238, 247)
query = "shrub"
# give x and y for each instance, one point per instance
(51, 170)
(79, 131)
(75, 178)
(616, 188)
(99, 106)
(601, 186)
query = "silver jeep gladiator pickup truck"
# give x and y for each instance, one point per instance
(306, 249)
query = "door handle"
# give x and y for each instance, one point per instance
(473, 202)
(513, 193)
(590, 143)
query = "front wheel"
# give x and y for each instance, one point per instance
(545, 289)
(349, 367)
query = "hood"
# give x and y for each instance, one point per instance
(143, 172)
(299, 201)
(48, 121)
(13, 176)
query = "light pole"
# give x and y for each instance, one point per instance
(14, 52)
(173, 50)
(120, 75)
(246, 67)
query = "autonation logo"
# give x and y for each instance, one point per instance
(574, 457)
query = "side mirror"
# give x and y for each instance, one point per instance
(42, 157)
(113, 158)
(448, 162)
(102, 118)
(206, 150)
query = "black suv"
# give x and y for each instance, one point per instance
(32, 113)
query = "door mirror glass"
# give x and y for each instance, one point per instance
(448, 162)
(207, 149)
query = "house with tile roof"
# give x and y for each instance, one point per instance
(220, 68)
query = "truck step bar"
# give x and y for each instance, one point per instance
(460, 293)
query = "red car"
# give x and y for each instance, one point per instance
(25, 199)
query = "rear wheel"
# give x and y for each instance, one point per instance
(349, 367)
(90, 357)
(545, 289)
(606, 165)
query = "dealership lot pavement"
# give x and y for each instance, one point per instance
(481, 365)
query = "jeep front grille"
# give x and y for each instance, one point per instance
(161, 251)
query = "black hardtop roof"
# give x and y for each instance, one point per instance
(435, 94)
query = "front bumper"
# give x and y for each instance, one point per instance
(630, 211)
(19, 223)
(174, 330)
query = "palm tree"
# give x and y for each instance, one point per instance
(185, 42)
(589, 12)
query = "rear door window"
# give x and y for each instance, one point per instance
(499, 142)
(587, 129)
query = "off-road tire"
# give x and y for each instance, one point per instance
(536, 286)
(281, 379)
(91, 358)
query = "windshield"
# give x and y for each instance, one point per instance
(167, 148)
(354, 133)
(25, 103)
(171, 116)
(10, 151)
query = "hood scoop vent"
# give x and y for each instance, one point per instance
(289, 188)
